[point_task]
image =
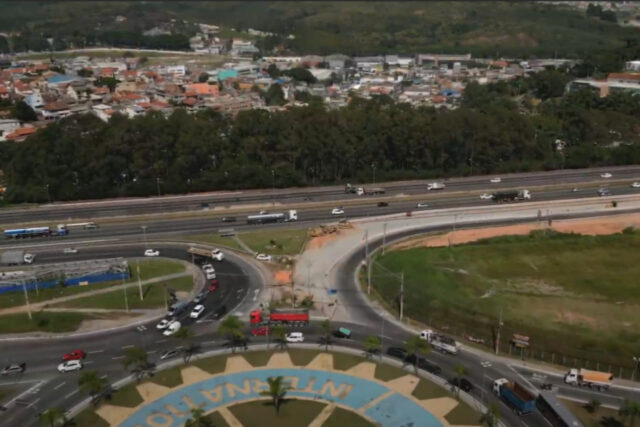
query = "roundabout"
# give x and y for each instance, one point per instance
(380, 394)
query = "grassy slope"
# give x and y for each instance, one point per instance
(570, 286)
(148, 270)
(153, 293)
(589, 419)
(287, 241)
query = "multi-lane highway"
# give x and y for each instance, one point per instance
(46, 388)
(222, 204)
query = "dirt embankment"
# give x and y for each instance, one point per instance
(587, 226)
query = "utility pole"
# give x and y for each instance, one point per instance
(126, 302)
(26, 297)
(498, 332)
(139, 282)
(367, 261)
(401, 295)
(384, 237)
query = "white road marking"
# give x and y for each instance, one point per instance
(161, 341)
(33, 403)
(96, 352)
(127, 346)
(208, 342)
(151, 351)
(88, 362)
(24, 393)
(117, 357)
(59, 385)
(71, 394)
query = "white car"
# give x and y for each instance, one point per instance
(294, 337)
(172, 328)
(496, 180)
(485, 196)
(636, 184)
(70, 251)
(208, 268)
(263, 212)
(210, 275)
(422, 205)
(197, 311)
(605, 175)
(163, 324)
(151, 252)
(337, 211)
(217, 254)
(263, 257)
(70, 366)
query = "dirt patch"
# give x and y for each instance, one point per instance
(575, 318)
(587, 226)
(320, 241)
(282, 277)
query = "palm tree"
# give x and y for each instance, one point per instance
(276, 392)
(460, 370)
(52, 417)
(231, 328)
(629, 411)
(490, 417)
(137, 362)
(189, 348)
(198, 419)
(279, 336)
(325, 337)
(95, 385)
(417, 347)
(371, 346)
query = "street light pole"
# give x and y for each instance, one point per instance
(26, 297)
(401, 296)
(139, 282)
(126, 302)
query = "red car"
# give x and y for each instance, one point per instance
(262, 330)
(74, 355)
(213, 285)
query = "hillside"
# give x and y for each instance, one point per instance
(355, 28)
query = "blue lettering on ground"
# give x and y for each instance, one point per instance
(397, 410)
(173, 409)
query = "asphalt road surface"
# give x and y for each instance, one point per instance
(44, 387)
(66, 212)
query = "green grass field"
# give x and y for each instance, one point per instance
(590, 419)
(148, 269)
(46, 322)
(214, 239)
(276, 242)
(153, 293)
(573, 295)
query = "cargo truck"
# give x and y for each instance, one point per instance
(290, 215)
(516, 396)
(16, 258)
(286, 316)
(21, 233)
(435, 186)
(440, 342)
(511, 196)
(592, 379)
(206, 253)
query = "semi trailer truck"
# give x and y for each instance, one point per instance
(511, 196)
(592, 379)
(290, 215)
(286, 316)
(516, 396)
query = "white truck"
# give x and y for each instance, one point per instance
(435, 186)
(206, 253)
(16, 258)
(592, 379)
(440, 342)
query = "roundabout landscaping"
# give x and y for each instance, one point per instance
(322, 389)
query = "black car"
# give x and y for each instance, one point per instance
(342, 333)
(16, 368)
(423, 364)
(465, 384)
(228, 219)
(397, 352)
(382, 204)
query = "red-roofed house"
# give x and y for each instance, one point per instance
(202, 89)
(631, 78)
(4, 92)
(20, 134)
(108, 72)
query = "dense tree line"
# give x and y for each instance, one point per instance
(82, 157)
